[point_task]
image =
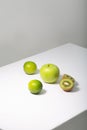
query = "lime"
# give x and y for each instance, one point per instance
(30, 67)
(35, 86)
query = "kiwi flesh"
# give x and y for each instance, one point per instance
(67, 82)
(65, 76)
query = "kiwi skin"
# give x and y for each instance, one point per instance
(67, 83)
(65, 76)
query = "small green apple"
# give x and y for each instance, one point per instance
(30, 67)
(49, 73)
(35, 86)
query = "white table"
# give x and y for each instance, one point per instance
(21, 110)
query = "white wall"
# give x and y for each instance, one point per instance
(28, 27)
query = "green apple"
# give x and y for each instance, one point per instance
(35, 86)
(49, 73)
(30, 67)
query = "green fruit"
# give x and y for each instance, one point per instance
(30, 67)
(69, 77)
(49, 73)
(66, 84)
(35, 86)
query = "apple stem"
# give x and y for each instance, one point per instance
(48, 65)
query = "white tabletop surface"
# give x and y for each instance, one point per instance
(21, 110)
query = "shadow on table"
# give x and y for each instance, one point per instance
(76, 88)
(79, 122)
(43, 92)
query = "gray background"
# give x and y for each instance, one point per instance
(28, 27)
(79, 122)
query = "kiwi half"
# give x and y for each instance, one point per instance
(66, 76)
(66, 84)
